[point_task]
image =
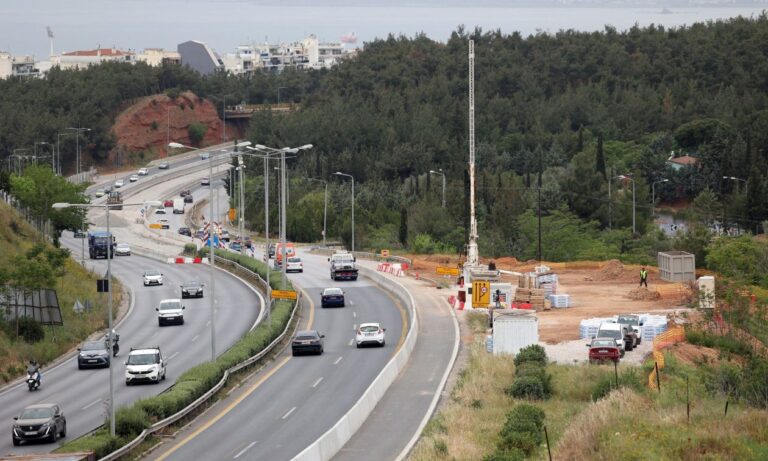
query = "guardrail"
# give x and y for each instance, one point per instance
(336, 437)
(366, 255)
(125, 449)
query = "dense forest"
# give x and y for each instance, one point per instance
(558, 119)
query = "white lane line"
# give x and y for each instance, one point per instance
(354, 327)
(289, 413)
(338, 360)
(195, 338)
(317, 382)
(351, 303)
(351, 341)
(248, 447)
(91, 404)
(208, 323)
(173, 355)
(354, 314)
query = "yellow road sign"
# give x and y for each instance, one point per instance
(447, 270)
(155, 226)
(481, 294)
(283, 294)
(232, 214)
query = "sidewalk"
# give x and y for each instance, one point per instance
(397, 421)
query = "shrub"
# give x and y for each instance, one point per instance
(725, 343)
(528, 387)
(512, 454)
(755, 383)
(100, 442)
(725, 379)
(532, 353)
(190, 249)
(154, 126)
(31, 330)
(532, 370)
(522, 430)
(196, 132)
(130, 421)
(628, 378)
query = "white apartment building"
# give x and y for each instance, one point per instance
(84, 58)
(18, 66)
(310, 53)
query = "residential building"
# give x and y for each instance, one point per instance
(157, 56)
(84, 58)
(18, 66)
(200, 57)
(310, 53)
(678, 163)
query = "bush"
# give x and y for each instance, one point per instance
(522, 430)
(196, 132)
(153, 126)
(725, 380)
(100, 442)
(528, 387)
(512, 454)
(725, 343)
(532, 353)
(31, 330)
(755, 383)
(190, 249)
(130, 421)
(628, 378)
(536, 371)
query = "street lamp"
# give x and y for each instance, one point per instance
(440, 172)
(34, 145)
(78, 130)
(339, 173)
(325, 206)
(653, 195)
(627, 177)
(58, 151)
(107, 206)
(745, 181)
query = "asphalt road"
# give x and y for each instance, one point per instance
(83, 394)
(297, 399)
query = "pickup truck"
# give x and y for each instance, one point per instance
(343, 266)
(634, 322)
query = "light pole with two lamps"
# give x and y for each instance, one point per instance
(339, 173)
(628, 177)
(78, 130)
(653, 195)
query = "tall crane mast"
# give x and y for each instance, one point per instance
(472, 254)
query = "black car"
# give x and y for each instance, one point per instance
(44, 421)
(332, 297)
(78, 234)
(188, 198)
(92, 354)
(308, 341)
(272, 247)
(192, 289)
(185, 192)
(185, 231)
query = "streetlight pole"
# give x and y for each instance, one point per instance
(353, 205)
(440, 172)
(325, 207)
(653, 195)
(625, 177)
(58, 151)
(241, 169)
(78, 130)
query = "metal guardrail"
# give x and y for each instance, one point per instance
(125, 449)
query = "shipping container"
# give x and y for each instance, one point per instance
(677, 266)
(513, 330)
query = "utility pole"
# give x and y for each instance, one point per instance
(538, 247)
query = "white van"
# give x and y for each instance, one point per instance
(178, 206)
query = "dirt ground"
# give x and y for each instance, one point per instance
(597, 289)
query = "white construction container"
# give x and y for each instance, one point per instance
(706, 286)
(514, 329)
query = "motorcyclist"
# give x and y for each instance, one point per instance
(33, 368)
(115, 345)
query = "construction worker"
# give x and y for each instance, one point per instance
(643, 277)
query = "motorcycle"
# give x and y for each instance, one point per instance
(115, 345)
(33, 377)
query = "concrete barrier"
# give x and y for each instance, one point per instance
(336, 437)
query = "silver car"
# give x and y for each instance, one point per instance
(122, 249)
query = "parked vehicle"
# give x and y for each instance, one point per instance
(43, 421)
(145, 365)
(332, 297)
(307, 341)
(634, 322)
(343, 266)
(619, 333)
(178, 206)
(603, 349)
(170, 311)
(370, 333)
(93, 354)
(101, 244)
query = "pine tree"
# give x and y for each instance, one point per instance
(600, 157)
(580, 140)
(403, 226)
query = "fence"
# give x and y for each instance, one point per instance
(41, 225)
(674, 335)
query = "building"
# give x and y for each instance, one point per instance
(200, 57)
(678, 163)
(18, 66)
(157, 57)
(85, 58)
(310, 53)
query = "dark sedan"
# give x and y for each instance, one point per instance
(192, 289)
(307, 342)
(185, 231)
(92, 354)
(188, 198)
(44, 421)
(332, 297)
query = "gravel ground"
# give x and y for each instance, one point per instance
(575, 352)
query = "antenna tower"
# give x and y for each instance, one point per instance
(472, 255)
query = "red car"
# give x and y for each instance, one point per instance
(603, 349)
(168, 203)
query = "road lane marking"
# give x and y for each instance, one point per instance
(317, 382)
(91, 404)
(354, 327)
(338, 360)
(208, 323)
(248, 447)
(289, 413)
(354, 314)
(173, 355)
(195, 338)
(225, 410)
(351, 341)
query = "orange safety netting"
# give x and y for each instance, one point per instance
(674, 335)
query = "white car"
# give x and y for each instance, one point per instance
(152, 277)
(100, 193)
(145, 365)
(170, 311)
(206, 181)
(143, 171)
(205, 156)
(294, 264)
(122, 249)
(370, 333)
(119, 183)
(133, 178)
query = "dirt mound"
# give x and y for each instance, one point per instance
(643, 294)
(611, 270)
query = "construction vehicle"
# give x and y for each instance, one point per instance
(343, 266)
(115, 200)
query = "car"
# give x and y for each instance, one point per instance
(247, 242)
(603, 349)
(205, 156)
(107, 189)
(143, 171)
(205, 181)
(170, 311)
(163, 166)
(619, 333)
(168, 203)
(307, 341)
(44, 421)
(133, 178)
(152, 277)
(332, 297)
(224, 236)
(635, 323)
(294, 265)
(185, 231)
(93, 354)
(145, 365)
(272, 248)
(370, 333)
(99, 193)
(235, 246)
(122, 249)
(119, 183)
(188, 198)
(160, 211)
(184, 193)
(78, 234)
(191, 289)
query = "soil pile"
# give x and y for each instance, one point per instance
(612, 270)
(643, 294)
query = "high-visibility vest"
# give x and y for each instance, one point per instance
(643, 275)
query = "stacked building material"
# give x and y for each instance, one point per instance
(560, 301)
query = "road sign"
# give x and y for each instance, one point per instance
(232, 214)
(481, 294)
(283, 294)
(447, 270)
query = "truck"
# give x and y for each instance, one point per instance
(115, 200)
(624, 335)
(101, 244)
(343, 266)
(178, 206)
(290, 252)
(635, 322)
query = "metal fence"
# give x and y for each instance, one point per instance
(41, 225)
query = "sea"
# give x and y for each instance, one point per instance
(35, 27)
